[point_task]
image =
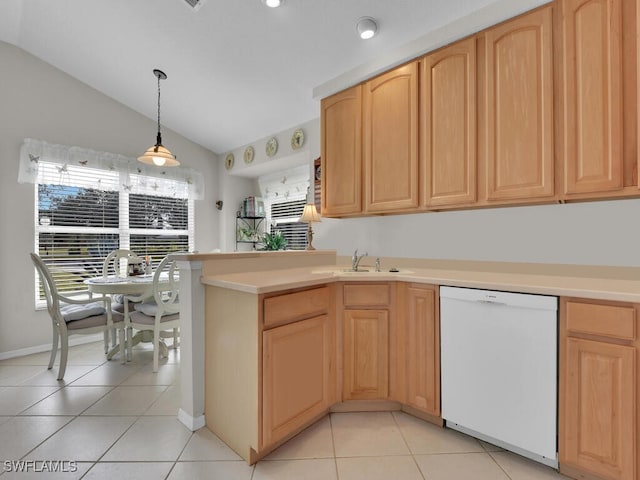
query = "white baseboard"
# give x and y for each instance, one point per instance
(75, 340)
(192, 423)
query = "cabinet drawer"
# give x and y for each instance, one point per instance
(291, 307)
(367, 295)
(607, 320)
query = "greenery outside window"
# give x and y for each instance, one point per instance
(84, 213)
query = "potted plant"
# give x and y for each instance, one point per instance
(274, 241)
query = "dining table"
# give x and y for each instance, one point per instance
(130, 286)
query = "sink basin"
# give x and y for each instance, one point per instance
(381, 272)
(360, 271)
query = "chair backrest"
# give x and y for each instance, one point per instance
(118, 260)
(166, 285)
(49, 287)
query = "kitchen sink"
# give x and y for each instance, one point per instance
(360, 271)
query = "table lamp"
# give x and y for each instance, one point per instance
(310, 215)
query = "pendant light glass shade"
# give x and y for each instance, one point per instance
(158, 154)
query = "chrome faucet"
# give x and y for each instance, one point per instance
(355, 260)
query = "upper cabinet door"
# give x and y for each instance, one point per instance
(448, 124)
(391, 140)
(519, 96)
(341, 169)
(592, 46)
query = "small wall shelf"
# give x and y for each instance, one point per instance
(249, 230)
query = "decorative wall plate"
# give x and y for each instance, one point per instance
(272, 147)
(297, 139)
(228, 161)
(248, 154)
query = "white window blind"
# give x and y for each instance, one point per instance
(285, 195)
(284, 217)
(84, 213)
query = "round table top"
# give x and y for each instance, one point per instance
(134, 285)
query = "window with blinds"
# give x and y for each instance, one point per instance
(284, 217)
(84, 213)
(158, 225)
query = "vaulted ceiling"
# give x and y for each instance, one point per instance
(237, 70)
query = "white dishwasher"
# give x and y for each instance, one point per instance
(499, 369)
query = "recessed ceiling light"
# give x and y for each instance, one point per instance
(273, 3)
(366, 27)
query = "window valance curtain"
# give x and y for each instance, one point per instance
(285, 185)
(133, 173)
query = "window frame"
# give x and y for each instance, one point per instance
(292, 221)
(123, 231)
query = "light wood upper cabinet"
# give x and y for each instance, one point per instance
(592, 77)
(391, 140)
(341, 144)
(448, 124)
(298, 385)
(422, 355)
(519, 108)
(539, 109)
(598, 390)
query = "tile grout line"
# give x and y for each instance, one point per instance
(113, 387)
(395, 419)
(80, 414)
(333, 446)
(496, 462)
(59, 429)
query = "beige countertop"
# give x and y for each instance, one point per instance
(609, 284)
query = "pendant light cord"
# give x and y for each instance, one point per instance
(159, 137)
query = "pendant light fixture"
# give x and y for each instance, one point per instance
(157, 154)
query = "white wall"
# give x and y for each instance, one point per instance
(233, 190)
(587, 233)
(39, 101)
(590, 233)
(241, 180)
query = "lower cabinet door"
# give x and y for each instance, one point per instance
(599, 409)
(298, 365)
(366, 354)
(422, 350)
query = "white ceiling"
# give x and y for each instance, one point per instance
(237, 70)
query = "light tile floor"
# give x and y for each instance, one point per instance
(119, 421)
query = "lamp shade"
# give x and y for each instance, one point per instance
(310, 214)
(159, 156)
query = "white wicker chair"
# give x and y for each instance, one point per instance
(117, 264)
(113, 264)
(160, 311)
(75, 316)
